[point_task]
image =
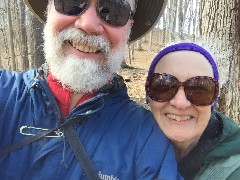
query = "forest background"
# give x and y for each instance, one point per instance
(215, 24)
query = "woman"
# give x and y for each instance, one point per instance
(182, 89)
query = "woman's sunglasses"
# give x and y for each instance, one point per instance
(199, 90)
(112, 12)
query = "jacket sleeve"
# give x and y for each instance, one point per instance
(157, 159)
(235, 175)
(168, 170)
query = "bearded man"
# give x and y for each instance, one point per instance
(72, 118)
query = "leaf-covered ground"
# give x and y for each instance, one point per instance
(135, 75)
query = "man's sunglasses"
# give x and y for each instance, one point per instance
(112, 12)
(199, 90)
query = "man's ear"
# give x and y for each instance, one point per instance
(132, 22)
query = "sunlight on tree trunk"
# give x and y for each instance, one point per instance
(220, 20)
(10, 35)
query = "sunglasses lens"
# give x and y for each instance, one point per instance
(71, 7)
(162, 87)
(114, 12)
(201, 90)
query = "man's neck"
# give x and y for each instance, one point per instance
(74, 100)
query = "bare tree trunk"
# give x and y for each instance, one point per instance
(31, 43)
(159, 41)
(190, 16)
(168, 23)
(180, 17)
(4, 50)
(220, 19)
(174, 8)
(195, 19)
(23, 38)
(132, 50)
(10, 35)
(144, 39)
(39, 56)
(139, 45)
(130, 54)
(150, 39)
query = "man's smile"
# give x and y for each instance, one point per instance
(84, 47)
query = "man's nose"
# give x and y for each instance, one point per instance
(89, 21)
(180, 100)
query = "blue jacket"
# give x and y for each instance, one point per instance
(121, 138)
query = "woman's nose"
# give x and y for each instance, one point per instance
(180, 100)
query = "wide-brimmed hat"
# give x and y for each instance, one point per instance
(146, 16)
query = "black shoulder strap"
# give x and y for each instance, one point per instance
(80, 153)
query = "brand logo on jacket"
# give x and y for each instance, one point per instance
(107, 177)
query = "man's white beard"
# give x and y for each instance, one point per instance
(80, 75)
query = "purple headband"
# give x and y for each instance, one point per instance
(184, 46)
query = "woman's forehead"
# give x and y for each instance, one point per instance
(184, 62)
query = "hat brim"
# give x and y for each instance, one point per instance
(147, 14)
